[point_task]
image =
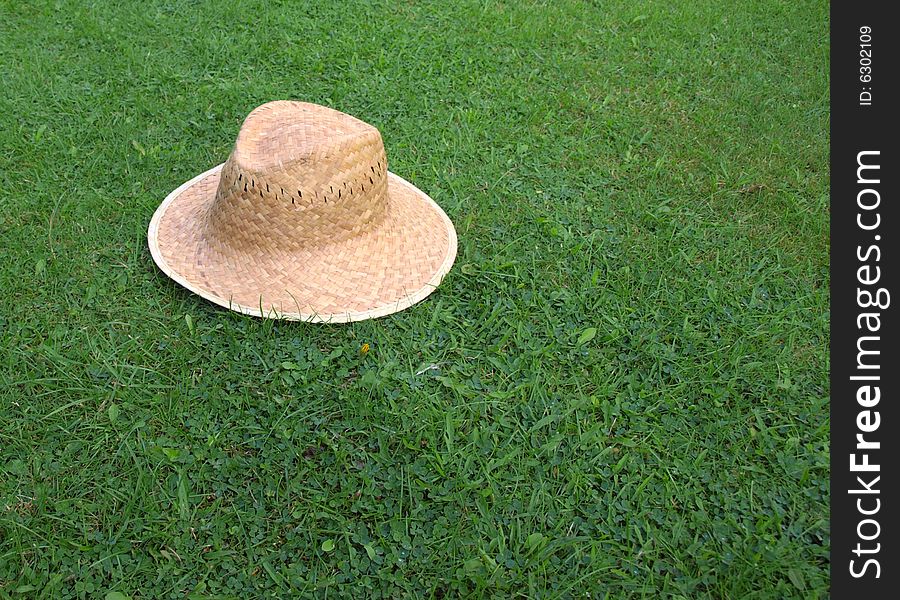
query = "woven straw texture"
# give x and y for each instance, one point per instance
(304, 222)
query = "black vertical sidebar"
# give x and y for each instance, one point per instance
(864, 336)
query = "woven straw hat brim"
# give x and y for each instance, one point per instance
(396, 264)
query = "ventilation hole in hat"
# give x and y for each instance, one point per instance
(299, 193)
(373, 168)
(245, 186)
(331, 188)
(252, 183)
(339, 194)
(292, 199)
(370, 181)
(267, 187)
(240, 176)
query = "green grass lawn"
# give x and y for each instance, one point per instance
(620, 390)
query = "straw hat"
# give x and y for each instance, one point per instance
(304, 222)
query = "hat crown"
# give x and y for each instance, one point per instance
(299, 174)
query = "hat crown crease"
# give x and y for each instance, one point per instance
(299, 175)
